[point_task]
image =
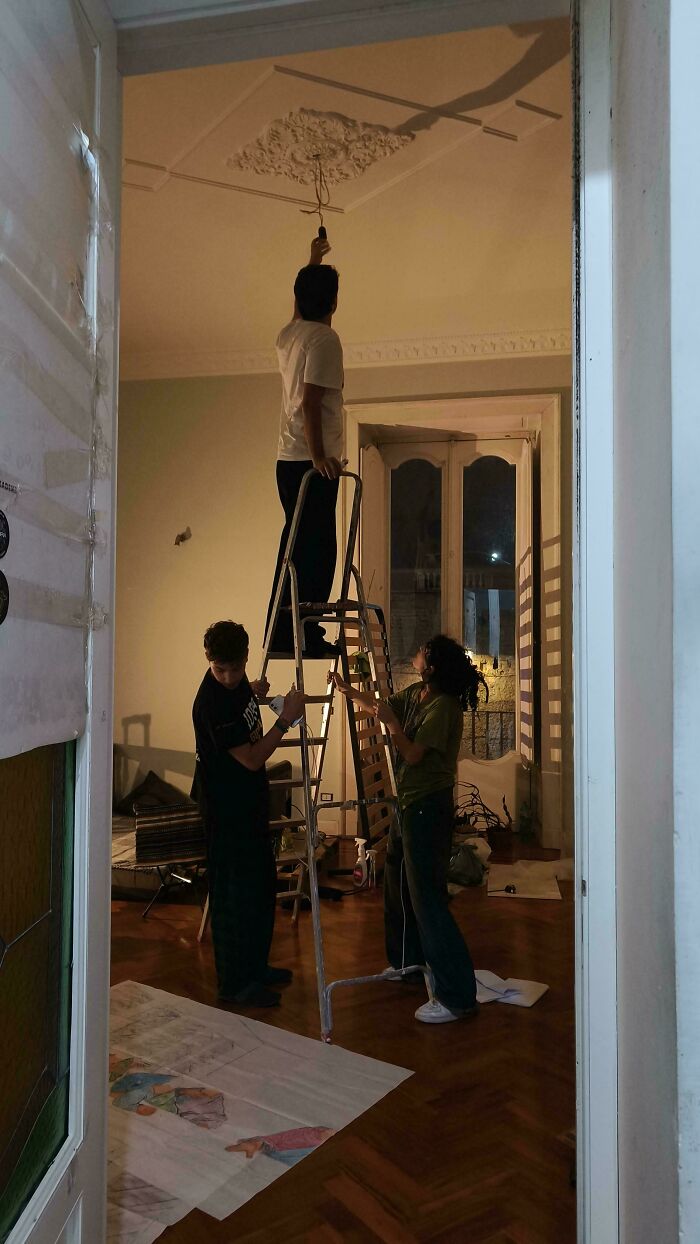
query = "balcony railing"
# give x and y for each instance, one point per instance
(489, 732)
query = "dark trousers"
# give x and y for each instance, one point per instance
(242, 896)
(418, 924)
(314, 552)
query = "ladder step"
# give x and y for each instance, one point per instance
(310, 699)
(288, 823)
(323, 606)
(292, 782)
(297, 743)
(384, 823)
(373, 627)
(374, 788)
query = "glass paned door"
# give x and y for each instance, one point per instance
(36, 837)
(459, 560)
(488, 599)
(417, 498)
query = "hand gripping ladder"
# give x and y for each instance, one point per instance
(362, 626)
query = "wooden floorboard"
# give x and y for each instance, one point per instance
(473, 1148)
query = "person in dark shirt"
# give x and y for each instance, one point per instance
(231, 787)
(425, 723)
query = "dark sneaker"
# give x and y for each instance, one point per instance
(278, 976)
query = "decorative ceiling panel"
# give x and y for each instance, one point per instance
(268, 135)
(306, 144)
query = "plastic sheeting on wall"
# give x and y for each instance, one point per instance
(49, 370)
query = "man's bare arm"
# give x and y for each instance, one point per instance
(313, 430)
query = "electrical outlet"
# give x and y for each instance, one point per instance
(326, 796)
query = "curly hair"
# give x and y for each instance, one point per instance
(226, 642)
(454, 672)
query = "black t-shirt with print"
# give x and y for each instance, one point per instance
(224, 718)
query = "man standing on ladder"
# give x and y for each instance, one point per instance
(311, 435)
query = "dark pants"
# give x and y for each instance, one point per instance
(242, 896)
(314, 552)
(418, 924)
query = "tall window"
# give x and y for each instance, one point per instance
(488, 597)
(416, 559)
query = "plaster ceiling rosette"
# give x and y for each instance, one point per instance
(264, 142)
(295, 145)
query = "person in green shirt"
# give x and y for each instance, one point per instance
(425, 722)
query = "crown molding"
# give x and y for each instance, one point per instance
(173, 365)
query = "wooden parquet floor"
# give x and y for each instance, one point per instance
(472, 1149)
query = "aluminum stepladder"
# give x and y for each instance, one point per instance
(362, 625)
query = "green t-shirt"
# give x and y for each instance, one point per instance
(437, 725)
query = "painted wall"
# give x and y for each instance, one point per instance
(644, 671)
(201, 453)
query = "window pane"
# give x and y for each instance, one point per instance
(488, 586)
(36, 833)
(416, 542)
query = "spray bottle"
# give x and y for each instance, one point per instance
(359, 872)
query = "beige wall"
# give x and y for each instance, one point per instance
(200, 453)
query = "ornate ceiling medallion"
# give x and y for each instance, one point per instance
(291, 147)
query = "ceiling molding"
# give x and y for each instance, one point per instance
(173, 364)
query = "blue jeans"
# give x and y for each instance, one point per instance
(418, 924)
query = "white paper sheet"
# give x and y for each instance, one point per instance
(208, 1107)
(512, 991)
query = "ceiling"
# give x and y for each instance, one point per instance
(449, 170)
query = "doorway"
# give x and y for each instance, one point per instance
(218, 407)
(597, 1118)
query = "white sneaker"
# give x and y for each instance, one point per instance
(434, 1012)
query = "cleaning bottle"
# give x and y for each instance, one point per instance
(359, 872)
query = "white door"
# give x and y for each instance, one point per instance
(59, 170)
(458, 557)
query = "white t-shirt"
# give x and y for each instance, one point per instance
(310, 352)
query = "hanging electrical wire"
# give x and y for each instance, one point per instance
(323, 195)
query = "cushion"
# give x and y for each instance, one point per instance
(153, 792)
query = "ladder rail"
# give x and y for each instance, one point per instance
(310, 812)
(342, 612)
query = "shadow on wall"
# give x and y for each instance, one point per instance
(133, 760)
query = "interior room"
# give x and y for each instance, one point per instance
(446, 198)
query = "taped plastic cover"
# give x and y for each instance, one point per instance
(54, 384)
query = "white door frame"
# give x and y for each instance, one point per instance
(148, 45)
(594, 638)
